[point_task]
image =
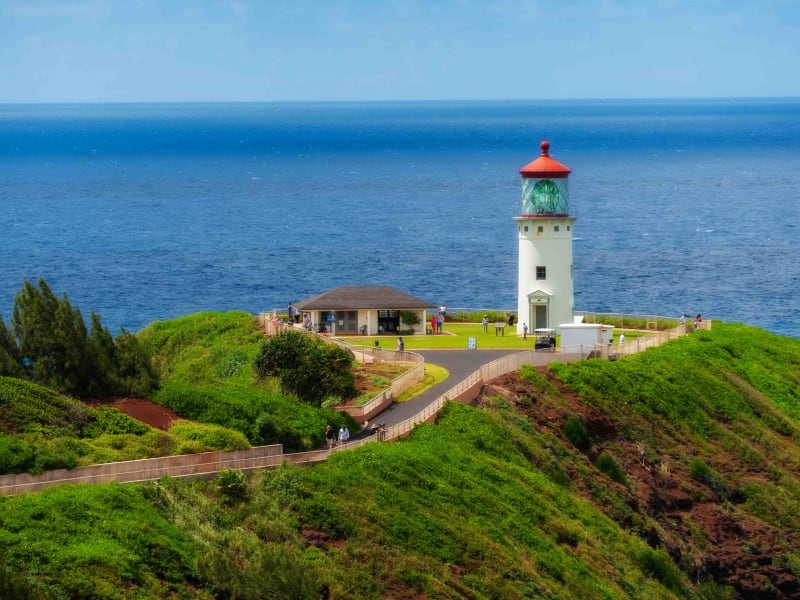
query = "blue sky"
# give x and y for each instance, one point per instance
(248, 50)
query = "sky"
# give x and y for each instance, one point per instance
(366, 50)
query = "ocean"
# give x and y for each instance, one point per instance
(145, 212)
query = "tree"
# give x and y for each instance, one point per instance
(102, 355)
(50, 346)
(133, 367)
(9, 353)
(51, 336)
(307, 367)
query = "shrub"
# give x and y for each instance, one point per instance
(575, 431)
(15, 585)
(658, 564)
(607, 465)
(231, 485)
(212, 437)
(700, 471)
(275, 429)
(232, 364)
(16, 455)
(296, 425)
(307, 367)
(54, 454)
(105, 419)
(409, 317)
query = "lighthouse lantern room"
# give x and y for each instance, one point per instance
(545, 292)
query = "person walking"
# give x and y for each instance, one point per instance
(330, 436)
(485, 323)
(401, 346)
(524, 332)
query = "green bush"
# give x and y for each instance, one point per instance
(307, 367)
(26, 406)
(231, 485)
(233, 363)
(658, 564)
(212, 437)
(575, 431)
(104, 419)
(700, 471)
(410, 317)
(607, 465)
(16, 455)
(95, 541)
(276, 429)
(17, 587)
(263, 417)
(54, 454)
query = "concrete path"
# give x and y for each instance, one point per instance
(459, 363)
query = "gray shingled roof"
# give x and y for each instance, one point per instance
(354, 297)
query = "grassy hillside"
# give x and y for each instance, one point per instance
(456, 512)
(208, 348)
(206, 364)
(42, 430)
(704, 438)
(670, 474)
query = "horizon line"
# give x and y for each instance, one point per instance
(406, 101)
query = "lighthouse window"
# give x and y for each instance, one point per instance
(556, 228)
(526, 229)
(540, 229)
(541, 272)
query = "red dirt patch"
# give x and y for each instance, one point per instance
(146, 411)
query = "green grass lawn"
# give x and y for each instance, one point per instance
(455, 336)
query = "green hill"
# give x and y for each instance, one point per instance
(206, 364)
(42, 430)
(670, 474)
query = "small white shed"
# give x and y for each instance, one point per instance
(586, 335)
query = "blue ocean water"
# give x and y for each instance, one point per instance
(146, 212)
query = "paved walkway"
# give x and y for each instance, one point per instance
(459, 363)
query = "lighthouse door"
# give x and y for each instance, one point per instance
(541, 316)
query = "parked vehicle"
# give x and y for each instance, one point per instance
(545, 339)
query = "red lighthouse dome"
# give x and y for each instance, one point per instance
(544, 167)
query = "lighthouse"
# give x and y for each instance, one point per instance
(545, 293)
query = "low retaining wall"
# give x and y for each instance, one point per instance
(399, 384)
(470, 394)
(147, 469)
(374, 407)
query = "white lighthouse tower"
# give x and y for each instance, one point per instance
(545, 294)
